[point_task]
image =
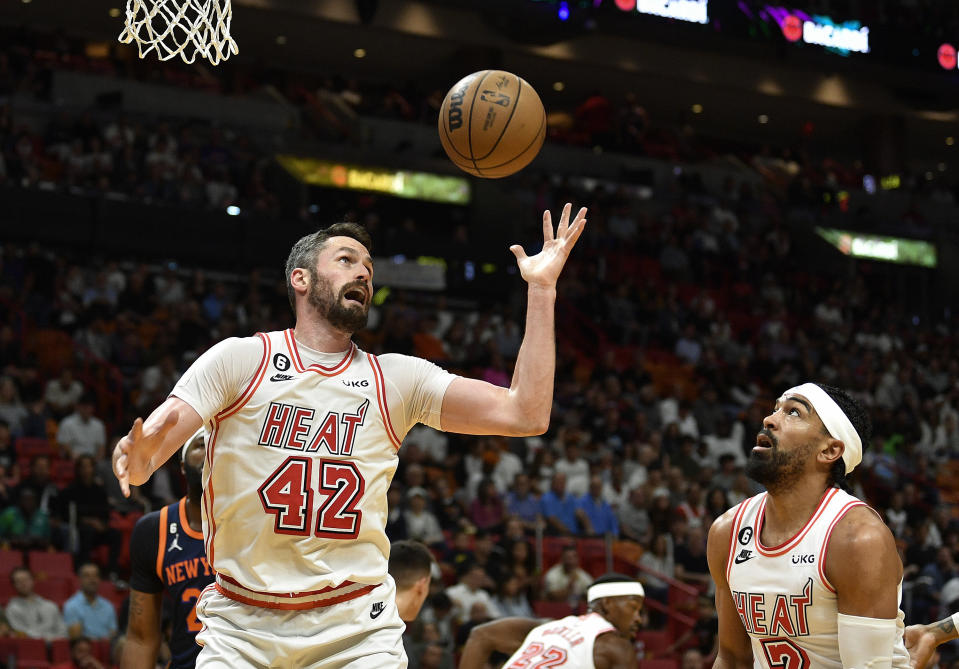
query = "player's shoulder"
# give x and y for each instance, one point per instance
(611, 649)
(722, 526)
(860, 529)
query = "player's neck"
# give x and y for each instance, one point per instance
(194, 514)
(788, 511)
(318, 335)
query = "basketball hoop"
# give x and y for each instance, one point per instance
(182, 28)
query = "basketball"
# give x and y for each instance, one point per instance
(492, 124)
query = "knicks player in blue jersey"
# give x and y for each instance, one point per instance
(168, 558)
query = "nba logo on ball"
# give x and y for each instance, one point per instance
(492, 124)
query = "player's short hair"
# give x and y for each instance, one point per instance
(304, 252)
(409, 562)
(859, 417)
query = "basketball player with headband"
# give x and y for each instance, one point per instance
(806, 574)
(600, 639)
(303, 432)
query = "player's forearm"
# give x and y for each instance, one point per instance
(945, 630)
(139, 652)
(476, 652)
(531, 391)
(730, 661)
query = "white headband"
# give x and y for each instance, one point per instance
(834, 419)
(189, 442)
(615, 589)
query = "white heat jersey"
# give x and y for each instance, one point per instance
(567, 642)
(781, 593)
(298, 462)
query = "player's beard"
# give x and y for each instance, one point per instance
(775, 469)
(330, 306)
(194, 482)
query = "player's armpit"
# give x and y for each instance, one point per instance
(505, 636)
(611, 651)
(143, 630)
(864, 587)
(735, 651)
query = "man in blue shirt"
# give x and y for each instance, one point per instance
(600, 518)
(559, 508)
(522, 503)
(87, 613)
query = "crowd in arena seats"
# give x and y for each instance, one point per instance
(680, 320)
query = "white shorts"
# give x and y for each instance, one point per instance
(358, 633)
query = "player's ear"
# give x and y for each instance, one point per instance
(300, 279)
(833, 450)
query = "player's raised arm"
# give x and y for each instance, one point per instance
(735, 651)
(150, 443)
(471, 406)
(505, 636)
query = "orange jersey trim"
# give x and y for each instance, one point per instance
(185, 524)
(380, 381)
(789, 544)
(164, 512)
(825, 543)
(338, 368)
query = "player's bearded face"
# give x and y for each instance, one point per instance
(774, 467)
(341, 313)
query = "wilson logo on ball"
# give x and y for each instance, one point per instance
(456, 109)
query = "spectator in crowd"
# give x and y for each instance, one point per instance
(62, 393)
(574, 466)
(598, 517)
(86, 613)
(89, 503)
(559, 508)
(633, 517)
(12, 410)
(31, 615)
(421, 524)
(566, 580)
(511, 598)
(82, 433)
(81, 656)
(522, 503)
(25, 526)
(655, 565)
(690, 557)
(471, 590)
(486, 510)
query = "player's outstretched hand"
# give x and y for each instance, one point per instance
(544, 268)
(921, 643)
(131, 456)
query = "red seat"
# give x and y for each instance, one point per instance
(31, 447)
(592, 555)
(55, 588)
(101, 651)
(112, 593)
(30, 650)
(62, 472)
(60, 651)
(553, 610)
(655, 641)
(552, 549)
(660, 663)
(50, 563)
(6, 591)
(9, 560)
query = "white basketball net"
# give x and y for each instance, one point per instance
(182, 28)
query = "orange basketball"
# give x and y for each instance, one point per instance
(492, 124)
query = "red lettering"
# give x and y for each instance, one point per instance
(756, 614)
(326, 434)
(275, 424)
(300, 427)
(781, 623)
(350, 422)
(801, 602)
(740, 600)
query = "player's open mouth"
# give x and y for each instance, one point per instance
(763, 443)
(357, 295)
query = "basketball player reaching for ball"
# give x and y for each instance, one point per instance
(806, 574)
(603, 638)
(166, 551)
(303, 431)
(922, 640)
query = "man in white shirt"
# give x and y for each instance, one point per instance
(576, 469)
(82, 433)
(566, 580)
(421, 524)
(62, 393)
(31, 614)
(469, 591)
